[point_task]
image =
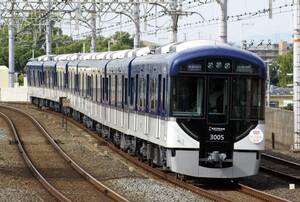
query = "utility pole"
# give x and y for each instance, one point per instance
(223, 21)
(268, 83)
(49, 31)
(175, 12)
(136, 21)
(296, 75)
(11, 52)
(93, 27)
(174, 17)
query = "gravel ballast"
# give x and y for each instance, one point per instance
(17, 182)
(108, 167)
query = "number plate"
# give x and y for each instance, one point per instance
(216, 133)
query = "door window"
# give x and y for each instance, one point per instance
(217, 100)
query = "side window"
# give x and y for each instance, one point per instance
(100, 89)
(75, 79)
(164, 95)
(132, 90)
(121, 91)
(153, 89)
(159, 93)
(147, 94)
(55, 78)
(112, 95)
(38, 78)
(82, 84)
(63, 80)
(116, 90)
(95, 89)
(33, 78)
(136, 91)
(125, 91)
(106, 89)
(66, 79)
(91, 85)
(79, 83)
(70, 81)
(86, 85)
(46, 84)
(142, 94)
(109, 89)
(71, 75)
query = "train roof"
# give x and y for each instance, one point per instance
(152, 59)
(119, 64)
(49, 64)
(73, 63)
(172, 55)
(93, 63)
(34, 63)
(222, 51)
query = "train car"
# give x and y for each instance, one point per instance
(195, 108)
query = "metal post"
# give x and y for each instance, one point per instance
(223, 21)
(49, 32)
(296, 74)
(273, 140)
(136, 19)
(268, 84)
(174, 17)
(11, 61)
(93, 27)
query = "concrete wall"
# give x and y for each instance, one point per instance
(281, 123)
(14, 94)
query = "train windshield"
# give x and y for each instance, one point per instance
(247, 100)
(188, 96)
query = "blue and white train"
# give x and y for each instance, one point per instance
(196, 108)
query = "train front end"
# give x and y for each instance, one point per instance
(217, 112)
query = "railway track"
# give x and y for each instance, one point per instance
(281, 168)
(216, 194)
(56, 171)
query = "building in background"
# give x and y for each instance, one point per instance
(280, 97)
(269, 52)
(3, 77)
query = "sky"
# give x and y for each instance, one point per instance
(253, 28)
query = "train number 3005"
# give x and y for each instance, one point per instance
(215, 137)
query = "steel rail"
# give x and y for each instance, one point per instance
(100, 186)
(161, 174)
(52, 190)
(189, 186)
(280, 174)
(280, 160)
(259, 194)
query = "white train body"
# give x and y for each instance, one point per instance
(160, 137)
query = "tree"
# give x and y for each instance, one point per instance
(285, 63)
(121, 41)
(30, 38)
(274, 73)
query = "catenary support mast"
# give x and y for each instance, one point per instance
(49, 31)
(223, 21)
(93, 28)
(174, 17)
(11, 52)
(136, 20)
(296, 74)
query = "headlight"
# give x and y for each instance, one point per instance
(256, 136)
